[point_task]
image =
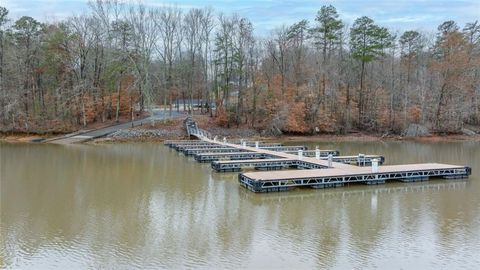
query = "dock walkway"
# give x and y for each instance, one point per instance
(267, 162)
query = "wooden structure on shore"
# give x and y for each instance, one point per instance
(314, 168)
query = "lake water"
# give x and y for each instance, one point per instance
(146, 206)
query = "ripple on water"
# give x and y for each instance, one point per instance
(143, 206)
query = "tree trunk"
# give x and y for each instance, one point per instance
(132, 110)
(360, 102)
(439, 106)
(117, 111)
(405, 101)
(84, 117)
(347, 103)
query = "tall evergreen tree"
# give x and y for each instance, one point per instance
(368, 42)
(329, 29)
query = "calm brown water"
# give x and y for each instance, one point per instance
(146, 206)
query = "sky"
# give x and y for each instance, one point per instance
(401, 15)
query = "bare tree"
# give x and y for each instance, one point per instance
(169, 23)
(145, 35)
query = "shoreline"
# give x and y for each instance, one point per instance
(352, 137)
(173, 129)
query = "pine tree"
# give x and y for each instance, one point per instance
(329, 29)
(368, 42)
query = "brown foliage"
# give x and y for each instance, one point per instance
(414, 114)
(222, 117)
(326, 122)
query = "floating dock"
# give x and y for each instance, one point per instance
(312, 153)
(263, 164)
(313, 168)
(285, 180)
(230, 148)
(284, 148)
(179, 143)
(203, 144)
(364, 160)
(225, 149)
(268, 163)
(209, 157)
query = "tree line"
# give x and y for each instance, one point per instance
(119, 60)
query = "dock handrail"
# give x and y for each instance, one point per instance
(193, 129)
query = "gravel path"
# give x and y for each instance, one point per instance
(121, 128)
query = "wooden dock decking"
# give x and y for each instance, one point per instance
(320, 173)
(284, 180)
(268, 176)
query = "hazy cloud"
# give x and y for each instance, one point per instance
(268, 14)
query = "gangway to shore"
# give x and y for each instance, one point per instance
(316, 171)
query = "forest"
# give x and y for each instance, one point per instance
(323, 76)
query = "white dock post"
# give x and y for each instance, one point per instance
(317, 153)
(224, 140)
(374, 165)
(361, 159)
(257, 144)
(330, 160)
(300, 154)
(244, 144)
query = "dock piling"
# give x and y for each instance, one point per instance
(374, 165)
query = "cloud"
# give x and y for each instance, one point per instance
(269, 14)
(407, 19)
(163, 4)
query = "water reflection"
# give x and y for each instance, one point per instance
(146, 206)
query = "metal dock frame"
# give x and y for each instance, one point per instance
(209, 157)
(312, 153)
(263, 164)
(339, 180)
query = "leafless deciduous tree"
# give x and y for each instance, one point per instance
(120, 59)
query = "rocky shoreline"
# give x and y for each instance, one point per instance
(142, 134)
(176, 131)
(127, 134)
(146, 135)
